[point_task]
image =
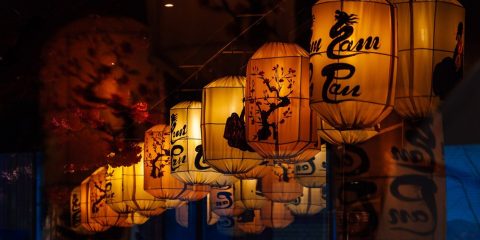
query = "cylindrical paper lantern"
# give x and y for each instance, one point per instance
(353, 56)
(430, 54)
(313, 173)
(159, 181)
(115, 197)
(348, 136)
(186, 151)
(76, 212)
(312, 149)
(249, 194)
(98, 191)
(258, 171)
(276, 107)
(212, 218)
(276, 215)
(222, 202)
(312, 202)
(250, 222)
(280, 185)
(86, 209)
(223, 127)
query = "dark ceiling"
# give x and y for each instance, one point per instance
(190, 42)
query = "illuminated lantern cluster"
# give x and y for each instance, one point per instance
(159, 181)
(310, 203)
(86, 209)
(313, 173)
(248, 194)
(350, 39)
(277, 107)
(186, 150)
(280, 185)
(430, 54)
(223, 127)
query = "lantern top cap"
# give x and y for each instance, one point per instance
(227, 81)
(279, 49)
(454, 2)
(188, 105)
(159, 128)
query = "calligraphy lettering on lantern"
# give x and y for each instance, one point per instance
(177, 154)
(224, 200)
(75, 210)
(306, 168)
(200, 163)
(342, 47)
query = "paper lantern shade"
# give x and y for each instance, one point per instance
(276, 215)
(250, 222)
(224, 180)
(276, 107)
(186, 151)
(313, 173)
(76, 212)
(339, 137)
(430, 54)
(280, 185)
(248, 194)
(159, 181)
(223, 127)
(310, 203)
(194, 192)
(97, 193)
(115, 194)
(222, 202)
(212, 218)
(257, 172)
(350, 40)
(174, 203)
(85, 209)
(155, 212)
(133, 219)
(181, 216)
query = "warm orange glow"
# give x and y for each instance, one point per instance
(222, 202)
(279, 185)
(310, 203)
(313, 173)
(350, 91)
(86, 209)
(249, 194)
(224, 145)
(277, 107)
(276, 215)
(251, 223)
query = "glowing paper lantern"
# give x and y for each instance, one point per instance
(430, 54)
(174, 203)
(276, 215)
(339, 137)
(313, 173)
(224, 181)
(222, 202)
(223, 127)
(181, 215)
(310, 203)
(248, 194)
(132, 219)
(98, 190)
(353, 60)
(250, 222)
(194, 192)
(127, 189)
(212, 218)
(280, 185)
(159, 181)
(258, 171)
(312, 149)
(76, 213)
(86, 211)
(276, 106)
(186, 151)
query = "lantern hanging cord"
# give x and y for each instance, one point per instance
(219, 52)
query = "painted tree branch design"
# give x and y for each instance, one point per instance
(279, 88)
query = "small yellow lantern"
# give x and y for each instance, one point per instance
(223, 127)
(280, 185)
(250, 222)
(430, 54)
(310, 203)
(249, 194)
(159, 181)
(350, 40)
(127, 192)
(313, 173)
(86, 211)
(276, 215)
(186, 151)
(222, 202)
(98, 192)
(276, 107)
